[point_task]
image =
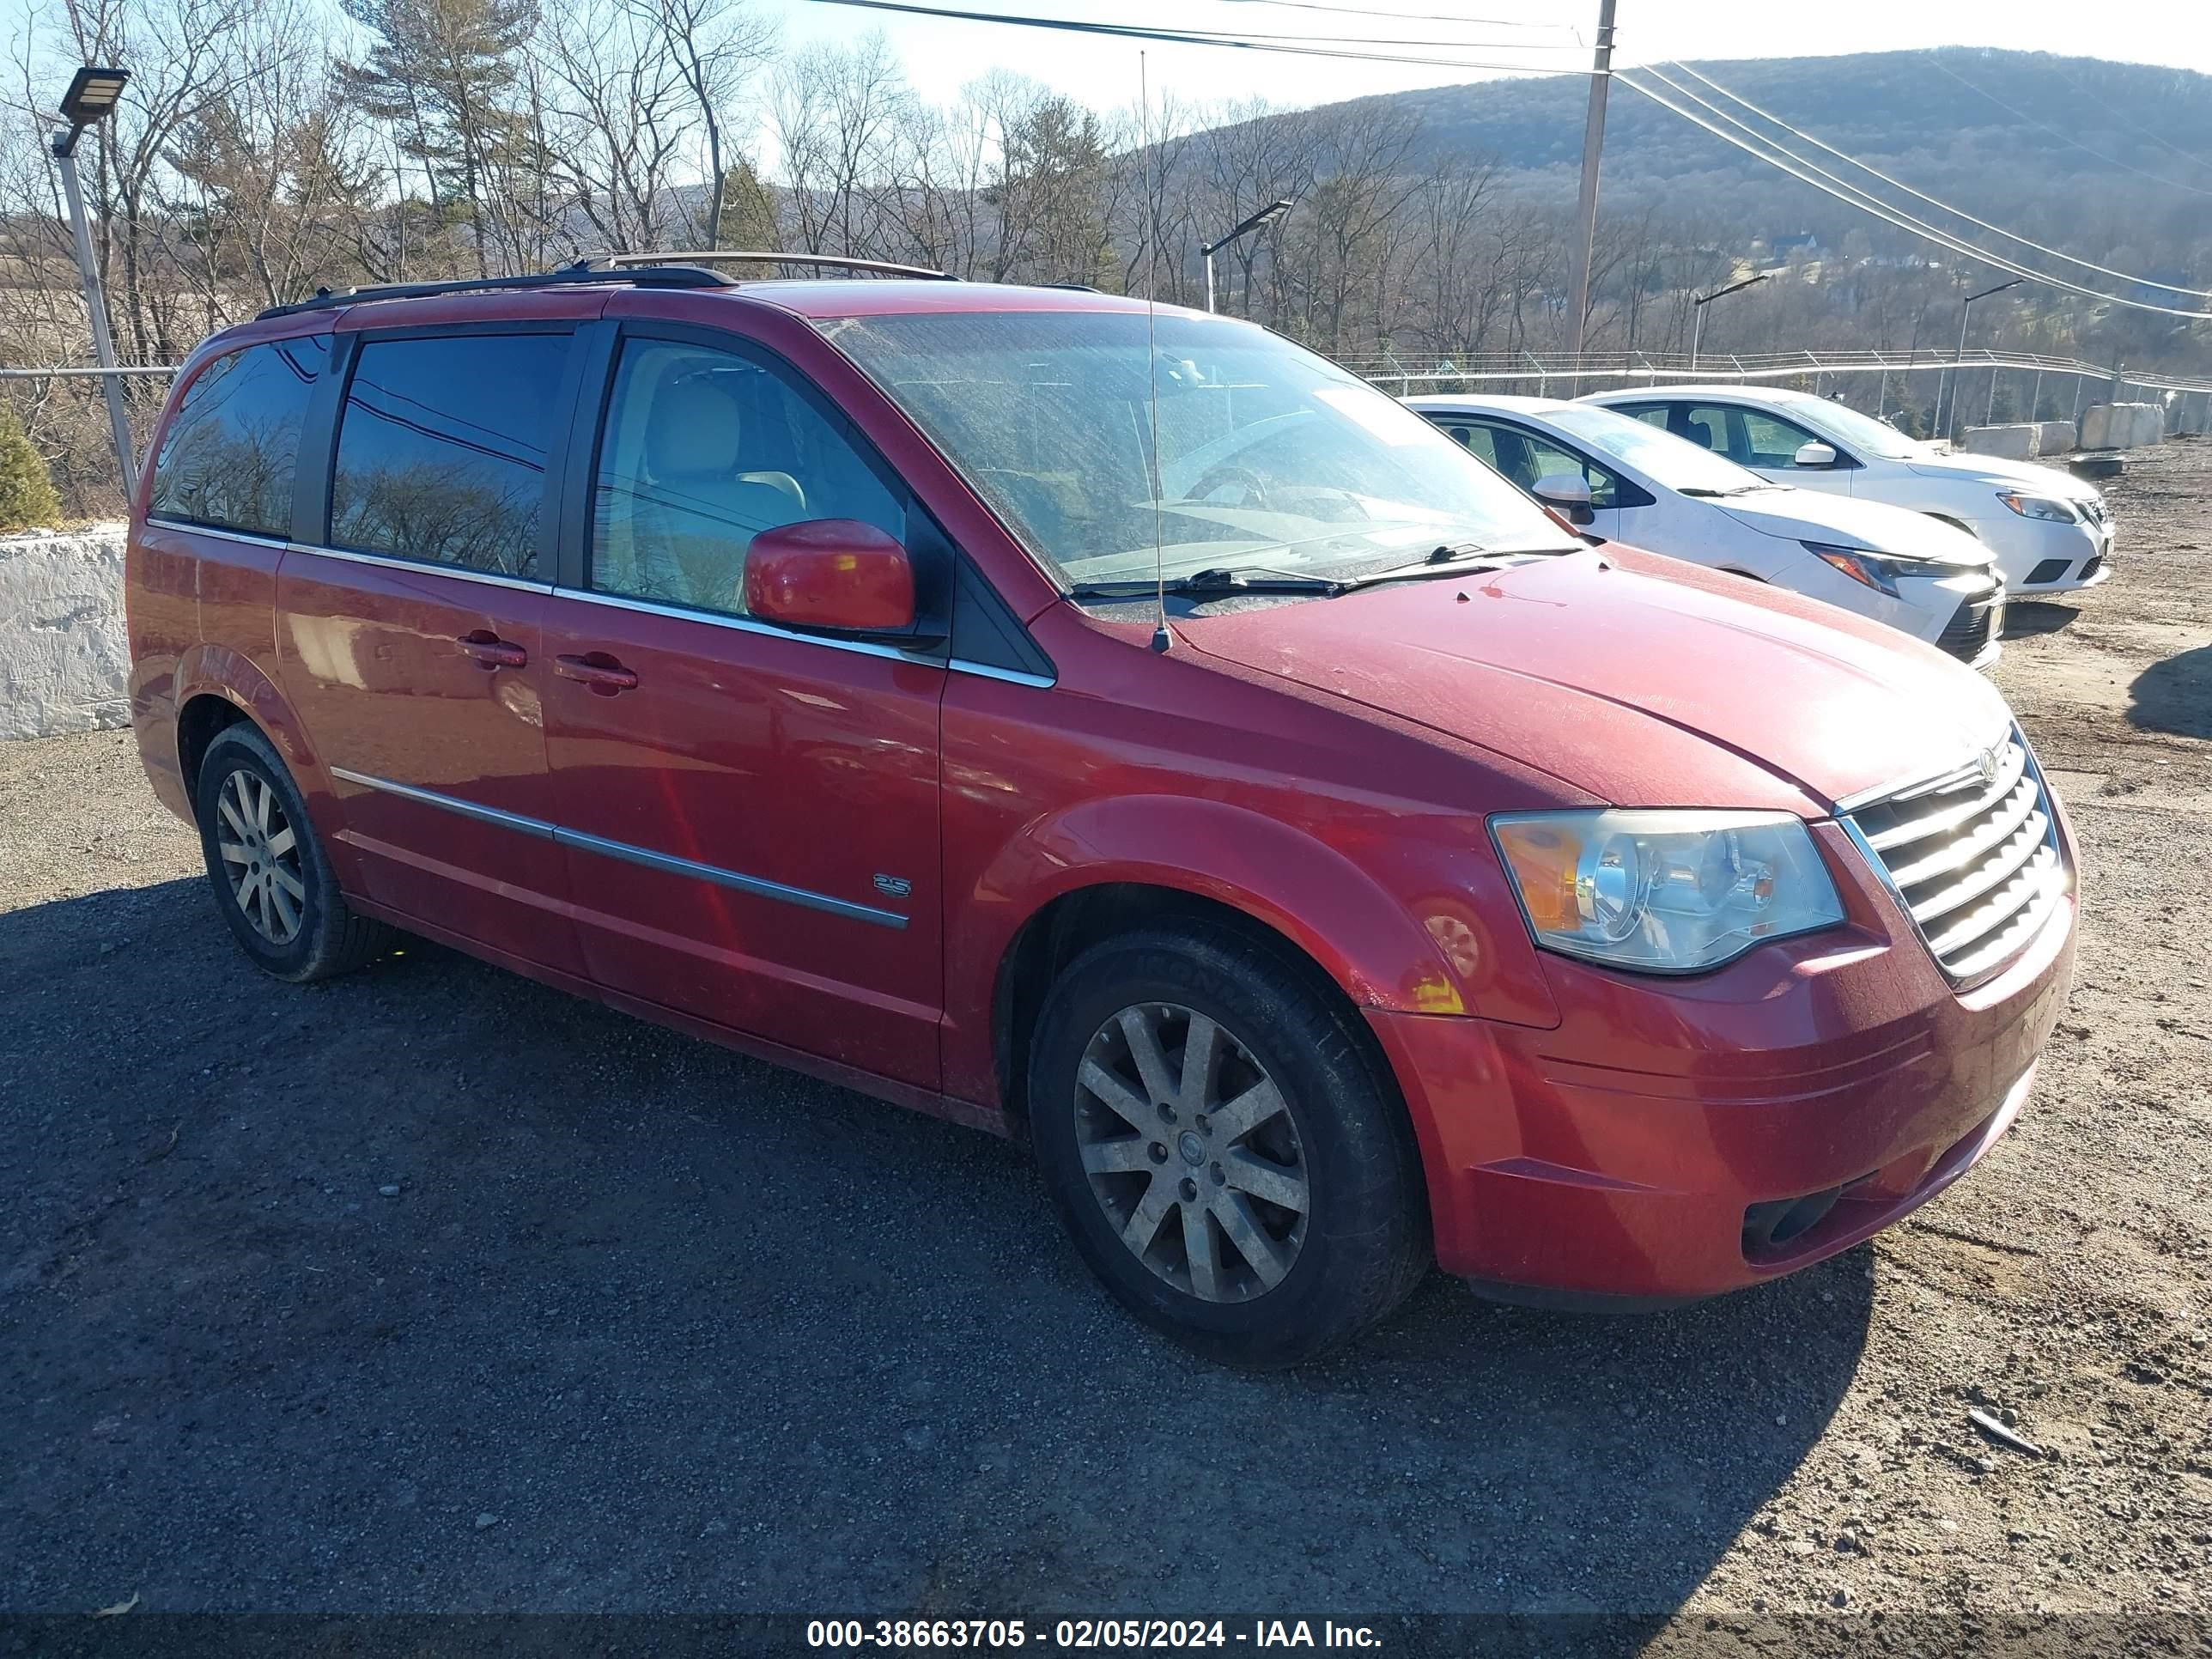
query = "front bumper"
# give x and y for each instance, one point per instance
(2038, 556)
(1646, 1146)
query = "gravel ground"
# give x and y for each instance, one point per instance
(430, 1289)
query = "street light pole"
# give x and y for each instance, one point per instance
(1249, 222)
(1959, 357)
(91, 97)
(1697, 310)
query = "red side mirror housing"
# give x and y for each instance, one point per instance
(834, 575)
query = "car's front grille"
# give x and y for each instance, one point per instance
(1973, 856)
(1967, 634)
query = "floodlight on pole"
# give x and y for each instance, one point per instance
(1244, 227)
(92, 96)
(1697, 309)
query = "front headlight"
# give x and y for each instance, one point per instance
(1664, 892)
(2038, 507)
(1879, 571)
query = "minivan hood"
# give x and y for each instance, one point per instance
(2047, 481)
(1803, 516)
(1637, 680)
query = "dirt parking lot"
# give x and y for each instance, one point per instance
(432, 1289)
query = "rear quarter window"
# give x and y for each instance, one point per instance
(227, 458)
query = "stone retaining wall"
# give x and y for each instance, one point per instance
(64, 662)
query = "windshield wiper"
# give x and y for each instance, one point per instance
(1213, 580)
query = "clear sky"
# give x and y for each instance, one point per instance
(940, 55)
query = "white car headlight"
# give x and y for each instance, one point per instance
(2038, 507)
(1664, 892)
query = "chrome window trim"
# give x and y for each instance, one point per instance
(246, 537)
(749, 625)
(985, 671)
(759, 886)
(771, 630)
(431, 566)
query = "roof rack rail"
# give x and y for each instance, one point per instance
(655, 274)
(730, 256)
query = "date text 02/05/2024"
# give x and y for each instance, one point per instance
(1081, 1634)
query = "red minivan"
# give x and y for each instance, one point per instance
(1126, 731)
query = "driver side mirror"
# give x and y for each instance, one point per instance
(1569, 494)
(833, 576)
(1814, 454)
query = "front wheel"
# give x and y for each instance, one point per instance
(271, 881)
(1220, 1146)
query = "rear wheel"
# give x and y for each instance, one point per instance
(1220, 1147)
(271, 881)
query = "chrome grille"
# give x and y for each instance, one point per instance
(1972, 856)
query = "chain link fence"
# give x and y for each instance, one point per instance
(61, 409)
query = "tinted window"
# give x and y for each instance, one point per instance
(705, 449)
(229, 454)
(442, 449)
(1525, 459)
(1772, 441)
(1706, 426)
(1475, 440)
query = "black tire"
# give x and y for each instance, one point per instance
(1363, 1241)
(326, 937)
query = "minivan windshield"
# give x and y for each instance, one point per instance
(1671, 462)
(1271, 459)
(1858, 431)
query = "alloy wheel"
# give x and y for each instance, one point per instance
(261, 856)
(1192, 1153)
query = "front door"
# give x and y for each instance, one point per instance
(1765, 443)
(410, 635)
(751, 813)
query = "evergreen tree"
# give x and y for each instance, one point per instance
(27, 493)
(749, 214)
(443, 73)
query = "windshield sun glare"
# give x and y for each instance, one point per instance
(1266, 454)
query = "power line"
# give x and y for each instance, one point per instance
(1806, 172)
(2010, 236)
(2071, 143)
(1215, 37)
(2137, 128)
(1410, 17)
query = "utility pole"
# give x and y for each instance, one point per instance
(1593, 151)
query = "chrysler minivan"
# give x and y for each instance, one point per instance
(1125, 732)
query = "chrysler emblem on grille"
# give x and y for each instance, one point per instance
(1989, 761)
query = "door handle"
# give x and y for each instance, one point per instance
(488, 649)
(597, 669)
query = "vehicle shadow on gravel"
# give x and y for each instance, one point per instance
(2025, 619)
(434, 1289)
(2174, 696)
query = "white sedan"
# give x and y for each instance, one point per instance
(1622, 480)
(2050, 531)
